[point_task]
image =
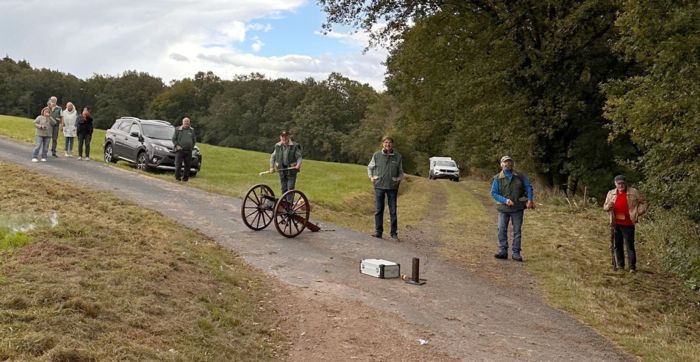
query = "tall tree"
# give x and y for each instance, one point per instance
(127, 95)
(658, 106)
(327, 115)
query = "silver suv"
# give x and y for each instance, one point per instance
(146, 143)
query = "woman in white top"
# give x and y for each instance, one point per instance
(70, 116)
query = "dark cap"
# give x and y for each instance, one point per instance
(619, 178)
(284, 133)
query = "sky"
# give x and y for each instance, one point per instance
(174, 39)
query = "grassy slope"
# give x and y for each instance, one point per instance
(649, 314)
(131, 285)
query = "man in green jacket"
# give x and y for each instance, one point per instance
(184, 140)
(286, 159)
(385, 170)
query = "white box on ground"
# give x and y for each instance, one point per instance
(380, 268)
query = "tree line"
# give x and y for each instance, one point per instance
(246, 112)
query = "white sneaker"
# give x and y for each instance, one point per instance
(87, 158)
(65, 154)
(79, 158)
(35, 160)
(43, 160)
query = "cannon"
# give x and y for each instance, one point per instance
(290, 213)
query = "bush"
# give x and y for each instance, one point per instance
(677, 239)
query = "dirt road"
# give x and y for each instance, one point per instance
(330, 310)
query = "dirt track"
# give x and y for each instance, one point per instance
(331, 311)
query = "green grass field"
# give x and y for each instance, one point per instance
(650, 314)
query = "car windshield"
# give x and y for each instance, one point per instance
(157, 131)
(445, 163)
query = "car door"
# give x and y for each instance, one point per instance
(121, 138)
(133, 141)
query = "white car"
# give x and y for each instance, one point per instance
(443, 167)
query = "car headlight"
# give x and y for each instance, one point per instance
(160, 148)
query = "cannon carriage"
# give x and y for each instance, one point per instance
(290, 212)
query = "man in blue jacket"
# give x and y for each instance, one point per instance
(513, 193)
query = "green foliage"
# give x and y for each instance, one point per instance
(128, 95)
(503, 78)
(327, 115)
(26, 90)
(378, 122)
(677, 239)
(657, 106)
(250, 112)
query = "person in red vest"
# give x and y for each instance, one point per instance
(626, 205)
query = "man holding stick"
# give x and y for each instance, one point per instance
(286, 159)
(625, 205)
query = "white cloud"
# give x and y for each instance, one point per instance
(170, 39)
(257, 45)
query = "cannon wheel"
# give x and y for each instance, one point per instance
(256, 210)
(291, 213)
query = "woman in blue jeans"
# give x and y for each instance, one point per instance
(44, 125)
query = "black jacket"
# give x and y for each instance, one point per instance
(84, 125)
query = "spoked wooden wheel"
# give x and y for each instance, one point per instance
(291, 213)
(257, 207)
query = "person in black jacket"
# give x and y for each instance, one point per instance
(84, 125)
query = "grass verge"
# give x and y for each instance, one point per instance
(107, 280)
(651, 314)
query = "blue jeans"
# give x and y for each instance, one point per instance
(391, 196)
(288, 179)
(69, 144)
(41, 143)
(516, 218)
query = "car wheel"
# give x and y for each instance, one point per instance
(109, 154)
(141, 161)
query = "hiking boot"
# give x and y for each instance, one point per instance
(633, 271)
(377, 235)
(501, 255)
(517, 257)
(395, 238)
